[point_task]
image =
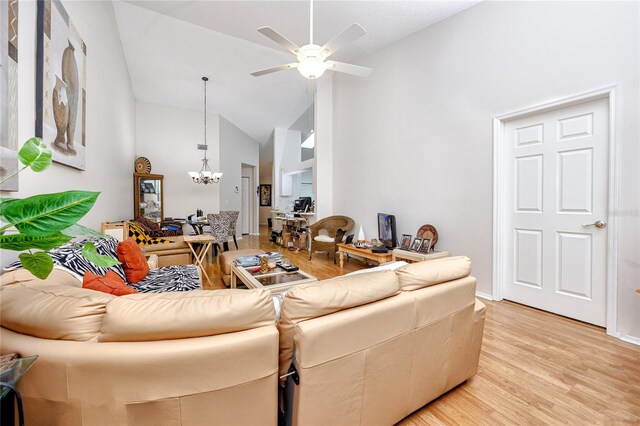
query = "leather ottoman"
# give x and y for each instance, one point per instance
(229, 256)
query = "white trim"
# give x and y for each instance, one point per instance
(612, 234)
(484, 295)
(629, 339)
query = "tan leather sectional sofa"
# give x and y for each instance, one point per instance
(369, 349)
(175, 252)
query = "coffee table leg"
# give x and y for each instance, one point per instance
(341, 253)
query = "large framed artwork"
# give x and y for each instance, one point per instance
(61, 74)
(265, 195)
(9, 94)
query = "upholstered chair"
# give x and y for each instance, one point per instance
(233, 220)
(323, 235)
(219, 227)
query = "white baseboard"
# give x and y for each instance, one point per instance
(484, 295)
(630, 339)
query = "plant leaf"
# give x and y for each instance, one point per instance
(91, 254)
(4, 202)
(42, 215)
(35, 154)
(78, 230)
(20, 242)
(39, 264)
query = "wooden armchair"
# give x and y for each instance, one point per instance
(324, 235)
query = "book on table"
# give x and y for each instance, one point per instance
(246, 261)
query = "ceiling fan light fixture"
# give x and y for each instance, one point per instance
(312, 67)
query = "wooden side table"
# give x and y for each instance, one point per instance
(366, 253)
(412, 256)
(200, 245)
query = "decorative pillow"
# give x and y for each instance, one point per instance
(69, 257)
(133, 260)
(137, 232)
(111, 283)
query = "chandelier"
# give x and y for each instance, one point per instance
(205, 175)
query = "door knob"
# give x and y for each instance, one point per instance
(597, 224)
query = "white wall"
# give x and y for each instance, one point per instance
(236, 148)
(168, 137)
(286, 154)
(421, 126)
(266, 176)
(324, 172)
(110, 115)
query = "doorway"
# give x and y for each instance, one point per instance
(248, 200)
(246, 215)
(554, 184)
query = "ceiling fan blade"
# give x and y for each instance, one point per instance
(279, 38)
(351, 34)
(274, 69)
(356, 70)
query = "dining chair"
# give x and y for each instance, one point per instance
(219, 226)
(233, 220)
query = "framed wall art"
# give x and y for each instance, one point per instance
(265, 195)
(61, 74)
(9, 94)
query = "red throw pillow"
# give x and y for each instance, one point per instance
(133, 261)
(111, 283)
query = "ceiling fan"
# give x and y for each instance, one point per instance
(312, 59)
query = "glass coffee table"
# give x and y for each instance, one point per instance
(276, 280)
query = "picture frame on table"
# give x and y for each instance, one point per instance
(425, 247)
(417, 243)
(405, 243)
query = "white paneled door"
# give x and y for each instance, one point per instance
(556, 234)
(246, 200)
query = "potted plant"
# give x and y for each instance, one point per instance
(42, 222)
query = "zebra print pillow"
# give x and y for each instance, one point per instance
(69, 257)
(169, 278)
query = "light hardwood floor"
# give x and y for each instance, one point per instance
(535, 367)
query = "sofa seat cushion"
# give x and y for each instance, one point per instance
(147, 317)
(170, 278)
(53, 309)
(431, 272)
(229, 256)
(313, 300)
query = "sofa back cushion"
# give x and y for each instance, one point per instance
(53, 309)
(177, 315)
(431, 272)
(313, 300)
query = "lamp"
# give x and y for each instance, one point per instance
(312, 67)
(205, 175)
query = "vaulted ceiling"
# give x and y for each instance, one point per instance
(170, 45)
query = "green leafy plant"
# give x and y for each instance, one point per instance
(45, 221)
